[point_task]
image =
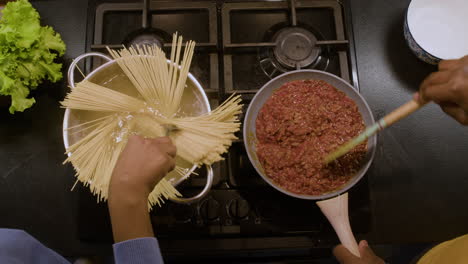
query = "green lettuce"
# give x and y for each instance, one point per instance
(27, 53)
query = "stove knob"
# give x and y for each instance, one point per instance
(181, 212)
(209, 210)
(238, 208)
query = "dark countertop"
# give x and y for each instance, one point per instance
(418, 179)
(34, 185)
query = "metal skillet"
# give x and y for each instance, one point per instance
(333, 204)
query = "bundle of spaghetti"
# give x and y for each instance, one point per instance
(83, 127)
(94, 156)
(160, 83)
(92, 97)
(203, 139)
(199, 139)
(227, 112)
(164, 190)
(90, 153)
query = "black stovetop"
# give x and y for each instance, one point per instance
(418, 174)
(236, 52)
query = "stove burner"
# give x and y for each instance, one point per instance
(295, 47)
(241, 205)
(147, 36)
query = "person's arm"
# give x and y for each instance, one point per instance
(129, 215)
(142, 164)
(448, 87)
(17, 246)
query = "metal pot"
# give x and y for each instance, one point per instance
(105, 73)
(333, 204)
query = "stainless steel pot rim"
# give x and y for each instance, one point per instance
(327, 195)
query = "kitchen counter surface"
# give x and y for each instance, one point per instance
(34, 185)
(418, 180)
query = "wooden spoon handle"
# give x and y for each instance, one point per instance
(397, 114)
(336, 211)
(401, 112)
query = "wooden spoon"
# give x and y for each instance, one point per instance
(397, 114)
(336, 211)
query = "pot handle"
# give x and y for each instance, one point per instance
(71, 69)
(336, 211)
(203, 193)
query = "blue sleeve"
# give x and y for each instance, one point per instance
(140, 250)
(17, 246)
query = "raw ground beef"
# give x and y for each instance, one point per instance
(297, 126)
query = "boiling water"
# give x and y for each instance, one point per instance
(112, 77)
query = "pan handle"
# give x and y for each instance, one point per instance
(336, 211)
(73, 65)
(203, 193)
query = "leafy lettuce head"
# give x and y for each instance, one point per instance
(27, 53)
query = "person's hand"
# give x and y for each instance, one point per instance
(141, 165)
(448, 87)
(344, 256)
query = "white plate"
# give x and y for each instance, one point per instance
(440, 27)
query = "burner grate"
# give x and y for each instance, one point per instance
(237, 52)
(299, 18)
(193, 20)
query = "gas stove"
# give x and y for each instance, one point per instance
(240, 46)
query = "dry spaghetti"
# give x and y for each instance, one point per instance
(160, 84)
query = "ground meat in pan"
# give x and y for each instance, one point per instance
(297, 126)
